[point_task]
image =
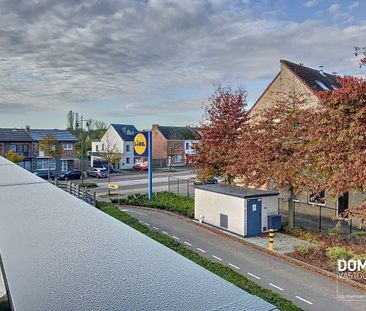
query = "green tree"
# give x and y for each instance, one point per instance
(12, 156)
(51, 148)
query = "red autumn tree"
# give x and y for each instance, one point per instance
(338, 140)
(218, 135)
(273, 149)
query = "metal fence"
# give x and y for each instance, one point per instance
(316, 217)
(76, 190)
(181, 186)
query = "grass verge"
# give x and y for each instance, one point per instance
(89, 185)
(222, 271)
(163, 200)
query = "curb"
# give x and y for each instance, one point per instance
(291, 260)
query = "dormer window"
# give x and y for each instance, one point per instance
(322, 85)
(129, 132)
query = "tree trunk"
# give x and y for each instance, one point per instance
(291, 207)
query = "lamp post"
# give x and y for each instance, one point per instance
(82, 144)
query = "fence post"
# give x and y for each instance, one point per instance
(56, 182)
(178, 186)
(320, 218)
(350, 226)
(69, 186)
(77, 190)
(187, 188)
(94, 200)
(86, 198)
(168, 183)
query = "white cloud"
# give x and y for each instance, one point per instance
(354, 5)
(311, 3)
(334, 8)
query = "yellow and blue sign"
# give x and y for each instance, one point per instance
(140, 144)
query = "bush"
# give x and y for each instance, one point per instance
(88, 185)
(219, 269)
(337, 231)
(339, 252)
(303, 249)
(295, 231)
(162, 200)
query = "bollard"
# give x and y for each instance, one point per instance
(271, 239)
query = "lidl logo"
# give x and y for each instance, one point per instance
(140, 144)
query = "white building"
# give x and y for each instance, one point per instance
(118, 138)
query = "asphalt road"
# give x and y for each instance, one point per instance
(306, 289)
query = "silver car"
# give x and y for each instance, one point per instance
(98, 172)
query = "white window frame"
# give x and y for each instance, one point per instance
(68, 147)
(317, 203)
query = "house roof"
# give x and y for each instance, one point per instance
(60, 135)
(314, 79)
(14, 135)
(122, 130)
(178, 132)
(236, 191)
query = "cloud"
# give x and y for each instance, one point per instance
(62, 54)
(311, 3)
(335, 10)
(354, 5)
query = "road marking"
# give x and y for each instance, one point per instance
(201, 250)
(275, 286)
(135, 212)
(254, 276)
(156, 228)
(218, 258)
(189, 244)
(236, 267)
(304, 300)
(165, 232)
(147, 224)
(175, 237)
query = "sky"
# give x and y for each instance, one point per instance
(148, 61)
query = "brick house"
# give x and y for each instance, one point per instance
(309, 81)
(172, 143)
(67, 143)
(20, 142)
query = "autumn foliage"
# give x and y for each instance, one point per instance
(225, 115)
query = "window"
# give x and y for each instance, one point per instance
(127, 160)
(129, 132)
(102, 147)
(64, 165)
(187, 146)
(127, 148)
(97, 148)
(322, 85)
(318, 199)
(178, 158)
(223, 221)
(13, 147)
(68, 147)
(42, 164)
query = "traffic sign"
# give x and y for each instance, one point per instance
(140, 144)
(113, 186)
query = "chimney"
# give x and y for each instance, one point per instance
(155, 127)
(27, 129)
(334, 73)
(321, 68)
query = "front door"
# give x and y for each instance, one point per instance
(254, 217)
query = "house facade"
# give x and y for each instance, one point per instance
(117, 139)
(66, 141)
(172, 145)
(307, 81)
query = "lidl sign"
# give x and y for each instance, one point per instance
(140, 144)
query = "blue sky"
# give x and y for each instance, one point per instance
(144, 62)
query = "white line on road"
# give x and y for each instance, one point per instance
(254, 276)
(201, 250)
(135, 212)
(236, 267)
(189, 244)
(147, 224)
(304, 300)
(275, 286)
(175, 237)
(165, 232)
(156, 228)
(218, 258)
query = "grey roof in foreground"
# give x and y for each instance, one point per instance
(236, 191)
(60, 135)
(59, 253)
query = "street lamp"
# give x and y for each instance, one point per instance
(88, 121)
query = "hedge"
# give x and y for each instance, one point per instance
(219, 269)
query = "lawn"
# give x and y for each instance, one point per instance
(163, 200)
(217, 268)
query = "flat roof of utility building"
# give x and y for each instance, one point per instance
(60, 253)
(236, 191)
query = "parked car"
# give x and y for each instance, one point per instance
(141, 166)
(209, 181)
(73, 174)
(98, 172)
(44, 174)
(102, 164)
